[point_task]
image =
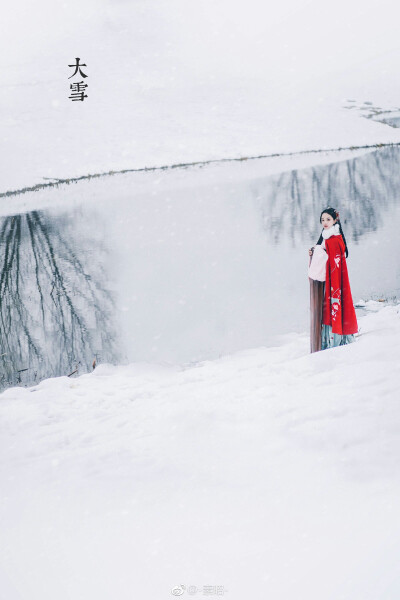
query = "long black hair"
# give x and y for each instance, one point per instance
(335, 215)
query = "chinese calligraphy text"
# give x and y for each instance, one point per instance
(78, 88)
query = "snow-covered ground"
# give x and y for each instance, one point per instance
(178, 81)
(271, 473)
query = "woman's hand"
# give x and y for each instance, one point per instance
(310, 251)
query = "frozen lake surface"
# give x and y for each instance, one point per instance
(182, 265)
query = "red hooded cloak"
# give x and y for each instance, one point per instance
(340, 314)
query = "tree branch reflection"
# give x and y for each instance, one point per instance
(55, 312)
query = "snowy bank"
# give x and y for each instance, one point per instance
(172, 82)
(266, 473)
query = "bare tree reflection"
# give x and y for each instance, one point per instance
(55, 312)
(361, 188)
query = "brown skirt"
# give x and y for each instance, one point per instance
(317, 292)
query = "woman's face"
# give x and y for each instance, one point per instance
(327, 220)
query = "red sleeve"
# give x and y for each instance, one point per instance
(335, 260)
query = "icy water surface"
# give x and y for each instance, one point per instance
(187, 264)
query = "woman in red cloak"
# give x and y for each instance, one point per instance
(339, 321)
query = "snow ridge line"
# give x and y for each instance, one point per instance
(58, 182)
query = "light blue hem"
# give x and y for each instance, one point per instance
(331, 340)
